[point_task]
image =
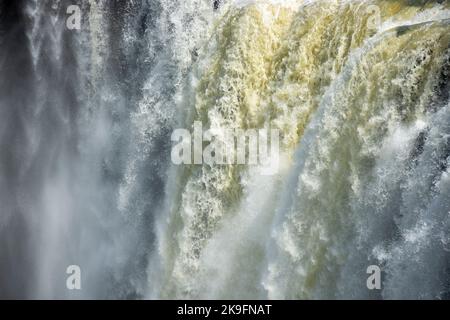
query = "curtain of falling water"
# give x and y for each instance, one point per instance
(86, 116)
(362, 103)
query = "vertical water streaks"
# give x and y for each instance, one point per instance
(362, 104)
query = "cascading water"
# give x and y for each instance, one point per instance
(359, 91)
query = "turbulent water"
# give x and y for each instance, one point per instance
(359, 91)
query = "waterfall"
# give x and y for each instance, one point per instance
(358, 90)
